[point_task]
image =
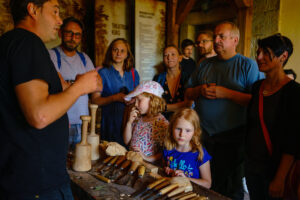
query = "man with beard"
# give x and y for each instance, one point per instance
(69, 63)
(220, 87)
(33, 106)
(205, 45)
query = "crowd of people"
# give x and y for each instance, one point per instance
(215, 122)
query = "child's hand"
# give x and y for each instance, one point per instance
(133, 115)
(179, 173)
(169, 171)
(137, 149)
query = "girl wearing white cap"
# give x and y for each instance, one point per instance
(146, 126)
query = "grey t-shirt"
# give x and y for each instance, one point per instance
(70, 67)
(237, 73)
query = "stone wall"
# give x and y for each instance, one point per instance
(265, 21)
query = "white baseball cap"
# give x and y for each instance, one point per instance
(151, 87)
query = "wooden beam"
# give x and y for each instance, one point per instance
(243, 3)
(183, 9)
(172, 28)
(244, 22)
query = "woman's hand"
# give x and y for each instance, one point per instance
(119, 97)
(179, 173)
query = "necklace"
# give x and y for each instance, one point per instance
(267, 92)
(174, 91)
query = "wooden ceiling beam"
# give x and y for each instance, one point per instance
(172, 27)
(244, 3)
(244, 22)
(183, 9)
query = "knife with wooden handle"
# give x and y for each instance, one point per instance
(149, 187)
(112, 169)
(163, 191)
(176, 192)
(188, 196)
(120, 173)
(178, 196)
(109, 164)
(156, 189)
(104, 162)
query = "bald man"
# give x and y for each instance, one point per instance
(220, 87)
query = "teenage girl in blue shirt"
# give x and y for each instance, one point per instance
(184, 155)
(118, 79)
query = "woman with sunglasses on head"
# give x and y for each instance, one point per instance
(273, 118)
(118, 78)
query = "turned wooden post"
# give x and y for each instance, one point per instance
(83, 160)
(94, 138)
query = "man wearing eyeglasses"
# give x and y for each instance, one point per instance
(69, 63)
(221, 87)
(205, 45)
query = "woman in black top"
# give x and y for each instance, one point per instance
(267, 166)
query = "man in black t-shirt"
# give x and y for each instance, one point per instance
(187, 63)
(33, 106)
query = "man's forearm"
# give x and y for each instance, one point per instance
(40, 108)
(239, 97)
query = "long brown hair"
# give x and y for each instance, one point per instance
(191, 116)
(128, 62)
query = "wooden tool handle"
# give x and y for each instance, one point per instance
(178, 196)
(93, 108)
(120, 160)
(162, 185)
(84, 127)
(106, 160)
(125, 164)
(188, 196)
(155, 183)
(168, 188)
(141, 171)
(176, 191)
(113, 160)
(133, 167)
(200, 198)
(102, 178)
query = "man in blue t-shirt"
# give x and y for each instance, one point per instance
(221, 88)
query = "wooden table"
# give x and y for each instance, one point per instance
(85, 187)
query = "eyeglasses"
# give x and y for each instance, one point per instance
(203, 42)
(71, 33)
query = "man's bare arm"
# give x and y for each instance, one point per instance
(41, 109)
(233, 95)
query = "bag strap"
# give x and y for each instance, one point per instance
(58, 57)
(82, 58)
(261, 119)
(133, 77)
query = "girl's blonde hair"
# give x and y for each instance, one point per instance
(128, 62)
(191, 116)
(156, 104)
